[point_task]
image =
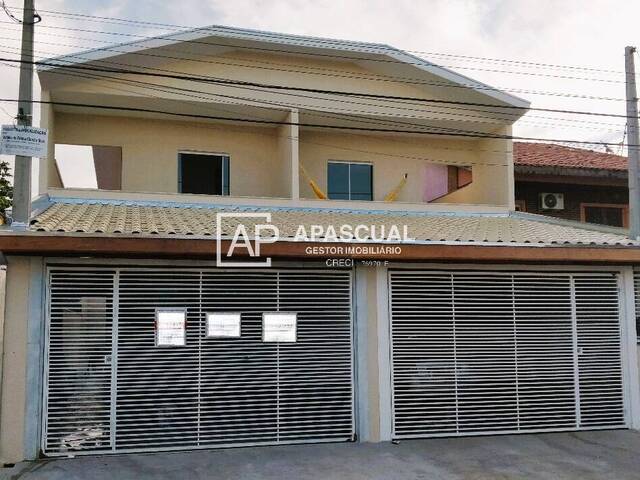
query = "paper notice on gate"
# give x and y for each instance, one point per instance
(223, 325)
(279, 327)
(171, 328)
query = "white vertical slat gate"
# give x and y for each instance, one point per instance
(110, 389)
(496, 352)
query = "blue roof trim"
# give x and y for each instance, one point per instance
(261, 208)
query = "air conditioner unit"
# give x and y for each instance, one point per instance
(551, 201)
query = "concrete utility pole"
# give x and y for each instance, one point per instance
(633, 139)
(22, 171)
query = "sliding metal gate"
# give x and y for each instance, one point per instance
(110, 389)
(484, 352)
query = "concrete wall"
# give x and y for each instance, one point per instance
(396, 156)
(18, 418)
(150, 150)
(264, 160)
(493, 182)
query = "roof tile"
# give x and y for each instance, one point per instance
(551, 155)
(128, 219)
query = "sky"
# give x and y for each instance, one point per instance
(575, 34)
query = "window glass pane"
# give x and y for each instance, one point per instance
(611, 216)
(361, 188)
(202, 174)
(338, 181)
(225, 180)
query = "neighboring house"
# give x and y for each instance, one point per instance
(571, 183)
(123, 334)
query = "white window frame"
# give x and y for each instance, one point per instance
(349, 163)
(211, 154)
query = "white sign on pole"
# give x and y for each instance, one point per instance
(171, 327)
(223, 324)
(22, 140)
(279, 327)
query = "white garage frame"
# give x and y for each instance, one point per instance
(629, 354)
(118, 267)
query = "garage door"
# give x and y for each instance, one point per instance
(483, 352)
(109, 388)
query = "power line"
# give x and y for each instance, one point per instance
(477, 86)
(244, 99)
(270, 103)
(466, 67)
(429, 159)
(12, 117)
(338, 73)
(339, 147)
(9, 14)
(315, 125)
(253, 67)
(288, 105)
(232, 83)
(421, 110)
(121, 21)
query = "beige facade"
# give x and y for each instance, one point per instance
(264, 156)
(262, 159)
(21, 296)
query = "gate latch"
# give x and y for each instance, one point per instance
(107, 359)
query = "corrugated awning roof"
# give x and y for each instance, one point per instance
(131, 219)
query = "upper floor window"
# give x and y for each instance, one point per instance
(350, 181)
(206, 174)
(89, 166)
(613, 215)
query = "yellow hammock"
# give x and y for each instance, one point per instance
(393, 194)
(314, 186)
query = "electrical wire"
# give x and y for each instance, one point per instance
(298, 105)
(467, 67)
(123, 21)
(319, 70)
(252, 66)
(231, 82)
(314, 125)
(476, 86)
(36, 16)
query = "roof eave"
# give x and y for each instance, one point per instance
(199, 33)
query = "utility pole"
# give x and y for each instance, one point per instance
(22, 171)
(633, 139)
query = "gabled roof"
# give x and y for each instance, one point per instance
(113, 218)
(551, 155)
(343, 49)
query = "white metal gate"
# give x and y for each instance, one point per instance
(496, 352)
(108, 388)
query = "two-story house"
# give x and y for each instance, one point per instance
(127, 328)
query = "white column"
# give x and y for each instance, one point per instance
(630, 348)
(294, 118)
(384, 353)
